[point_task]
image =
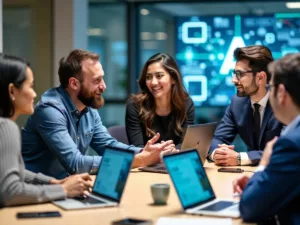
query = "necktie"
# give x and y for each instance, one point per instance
(256, 124)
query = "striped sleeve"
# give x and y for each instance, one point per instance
(13, 189)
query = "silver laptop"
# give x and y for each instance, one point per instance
(109, 184)
(197, 136)
(193, 188)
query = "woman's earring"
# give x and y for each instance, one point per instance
(12, 98)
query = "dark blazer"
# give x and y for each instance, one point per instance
(276, 190)
(238, 120)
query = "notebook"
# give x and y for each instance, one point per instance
(193, 187)
(197, 136)
(109, 183)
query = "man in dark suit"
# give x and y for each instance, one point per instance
(249, 113)
(274, 190)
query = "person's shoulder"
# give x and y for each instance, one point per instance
(286, 148)
(291, 136)
(189, 101)
(6, 123)
(132, 102)
(236, 100)
(287, 144)
(51, 96)
(93, 112)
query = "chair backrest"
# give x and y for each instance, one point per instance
(119, 133)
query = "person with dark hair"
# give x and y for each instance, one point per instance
(66, 122)
(20, 186)
(163, 106)
(272, 194)
(249, 113)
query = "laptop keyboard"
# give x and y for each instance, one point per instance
(218, 206)
(88, 200)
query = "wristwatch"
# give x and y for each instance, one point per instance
(239, 159)
(93, 171)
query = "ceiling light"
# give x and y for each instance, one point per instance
(293, 5)
(95, 32)
(144, 12)
(161, 36)
(145, 36)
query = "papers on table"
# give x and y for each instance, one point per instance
(191, 221)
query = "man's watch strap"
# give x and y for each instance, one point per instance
(239, 159)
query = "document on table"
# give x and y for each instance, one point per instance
(190, 221)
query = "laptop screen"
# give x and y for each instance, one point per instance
(113, 172)
(189, 178)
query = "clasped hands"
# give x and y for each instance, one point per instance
(225, 155)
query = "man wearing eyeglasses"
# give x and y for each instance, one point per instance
(249, 113)
(272, 194)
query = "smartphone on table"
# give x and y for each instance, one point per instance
(132, 221)
(47, 214)
(231, 170)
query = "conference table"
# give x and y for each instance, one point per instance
(136, 202)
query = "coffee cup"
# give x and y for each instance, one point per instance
(160, 193)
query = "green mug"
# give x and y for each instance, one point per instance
(160, 193)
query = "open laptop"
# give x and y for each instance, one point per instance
(197, 136)
(109, 184)
(193, 187)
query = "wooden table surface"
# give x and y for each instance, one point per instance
(136, 202)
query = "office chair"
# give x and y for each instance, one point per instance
(119, 133)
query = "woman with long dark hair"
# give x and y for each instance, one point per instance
(18, 185)
(163, 105)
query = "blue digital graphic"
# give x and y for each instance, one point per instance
(205, 45)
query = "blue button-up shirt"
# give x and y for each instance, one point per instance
(56, 137)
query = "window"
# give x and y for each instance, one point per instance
(107, 37)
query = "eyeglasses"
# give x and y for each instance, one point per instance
(239, 73)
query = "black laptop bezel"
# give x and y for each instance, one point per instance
(198, 203)
(117, 150)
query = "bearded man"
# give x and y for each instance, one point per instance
(66, 122)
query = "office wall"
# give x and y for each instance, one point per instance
(27, 28)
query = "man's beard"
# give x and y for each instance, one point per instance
(245, 93)
(90, 100)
